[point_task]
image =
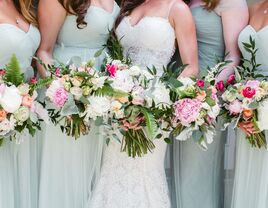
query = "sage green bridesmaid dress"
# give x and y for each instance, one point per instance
(198, 174)
(69, 166)
(19, 162)
(251, 172)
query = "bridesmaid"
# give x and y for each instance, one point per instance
(198, 174)
(251, 173)
(71, 28)
(18, 164)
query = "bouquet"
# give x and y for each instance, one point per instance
(195, 111)
(19, 109)
(133, 117)
(243, 96)
(78, 95)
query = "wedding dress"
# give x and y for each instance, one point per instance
(138, 182)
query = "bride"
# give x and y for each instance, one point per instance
(149, 31)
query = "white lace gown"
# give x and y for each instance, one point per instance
(141, 182)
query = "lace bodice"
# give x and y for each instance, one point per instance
(150, 42)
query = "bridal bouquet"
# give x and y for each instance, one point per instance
(195, 111)
(133, 117)
(244, 97)
(19, 109)
(78, 95)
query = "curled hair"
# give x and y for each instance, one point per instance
(127, 6)
(78, 8)
(26, 9)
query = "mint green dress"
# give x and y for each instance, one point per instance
(69, 167)
(198, 174)
(251, 172)
(19, 162)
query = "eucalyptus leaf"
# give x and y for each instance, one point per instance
(69, 108)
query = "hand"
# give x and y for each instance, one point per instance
(248, 127)
(224, 74)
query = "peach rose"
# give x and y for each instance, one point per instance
(247, 113)
(27, 101)
(122, 99)
(3, 115)
(201, 96)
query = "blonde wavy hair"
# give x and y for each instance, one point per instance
(26, 8)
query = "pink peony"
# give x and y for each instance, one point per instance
(60, 97)
(111, 69)
(235, 107)
(2, 88)
(200, 83)
(231, 79)
(220, 86)
(248, 92)
(253, 84)
(187, 110)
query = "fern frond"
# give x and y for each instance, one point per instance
(151, 124)
(13, 72)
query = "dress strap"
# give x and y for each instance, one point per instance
(170, 7)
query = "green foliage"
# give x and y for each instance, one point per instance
(13, 72)
(107, 90)
(249, 68)
(115, 49)
(151, 124)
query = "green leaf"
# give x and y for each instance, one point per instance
(13, 72)
(151, 124)
(197, 135)
(98, 53)
(210, 101)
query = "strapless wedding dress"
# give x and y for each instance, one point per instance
(138, 182)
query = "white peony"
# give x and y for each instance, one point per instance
(11, 99)
(160, 95)
(98, 106)
(123, 81)
(54, 86)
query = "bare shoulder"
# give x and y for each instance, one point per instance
(180, 13)
(180, 7)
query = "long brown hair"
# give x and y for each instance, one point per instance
(78, 8)
(209, 4)
(26, 8)
(127, 6)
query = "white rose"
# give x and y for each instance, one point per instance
(116, 62)
(98, 82)
(11, 99)
(186, 81)
(24, 89)
(99, 106)
(22, 114)
(77, 92)
(230, 96)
